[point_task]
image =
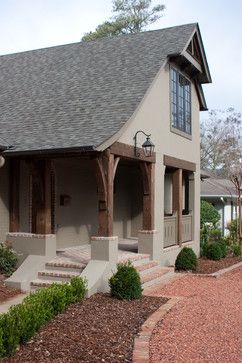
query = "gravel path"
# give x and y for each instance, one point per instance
(205, 327)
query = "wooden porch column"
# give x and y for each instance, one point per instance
(148, 177)
(41, 197)
(177, 202)
(14, 195)
(104, 177)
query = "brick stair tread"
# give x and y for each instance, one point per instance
(42, 283)
(56, 273)
(154, 275)
(133, 257)
(66, 264)
(146, 266)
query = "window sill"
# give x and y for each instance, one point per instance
(181, 133)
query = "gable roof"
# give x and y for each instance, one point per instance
(79, 95)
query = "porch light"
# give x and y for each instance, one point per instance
(147, 146)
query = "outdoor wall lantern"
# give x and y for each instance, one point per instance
(147, 146)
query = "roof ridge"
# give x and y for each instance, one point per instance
(97, 40)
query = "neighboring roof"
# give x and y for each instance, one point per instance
(81, 94)
(216, 187)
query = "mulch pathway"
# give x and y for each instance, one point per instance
(206, 266)
(99, 329)
(5, 291)
(205, 326)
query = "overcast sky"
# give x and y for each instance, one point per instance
(32, 24)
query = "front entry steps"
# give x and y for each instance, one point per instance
(152, 273)
(57, 272)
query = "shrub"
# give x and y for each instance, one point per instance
(23, 320)
(214, 251)
(215, 234)
(223, 247)
(126, 282)
(8, 260)
(186, 260)
(233, 230)
(236, 249)
(209, 214)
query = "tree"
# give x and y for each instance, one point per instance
(129, 16)
(220, 141)
(221, 150)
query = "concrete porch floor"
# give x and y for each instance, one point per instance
(127, 250)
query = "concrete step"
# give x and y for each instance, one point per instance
(65, 266)
(57, 275)
(154, 277)
(147, 267)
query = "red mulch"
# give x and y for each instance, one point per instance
(99, 329)
(206, 266)
(5, 291)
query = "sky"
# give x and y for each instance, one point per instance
(33, 24)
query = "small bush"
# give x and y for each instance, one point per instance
(186, 260)
(223, 247)
(8, 260)
(126, 282)
(236, 249)
(233, 230)
(214, 252)
(23, 320)
(215, 234)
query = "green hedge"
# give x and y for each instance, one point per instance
(23, 320)
(8, 260)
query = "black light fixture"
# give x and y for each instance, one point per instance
(147, 146)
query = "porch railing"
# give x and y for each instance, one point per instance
(170, 229)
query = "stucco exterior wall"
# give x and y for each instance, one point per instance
(4, 201)
(153, 117)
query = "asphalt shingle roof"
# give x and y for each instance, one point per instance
(80, 94)
(217, 187)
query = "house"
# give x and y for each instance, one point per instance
(221, 193)
(78, 123)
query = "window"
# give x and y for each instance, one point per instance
(180, 102)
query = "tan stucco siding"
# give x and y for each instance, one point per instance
(153, 117)
(4, 201)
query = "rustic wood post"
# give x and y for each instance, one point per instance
(41, 197)
(147, 170)
(104, 177)
(177, 202)
(14, 195)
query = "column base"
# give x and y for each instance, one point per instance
(105, 249)
(149, 243)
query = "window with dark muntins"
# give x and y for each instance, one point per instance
(180, 102)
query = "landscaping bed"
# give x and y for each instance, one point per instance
(206, 266)
(5, 291)
(98, 329)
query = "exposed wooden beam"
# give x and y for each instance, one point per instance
(177, 202)
(127, 152)
(148, 171)
(193, 61)
(104, 178)
(116, 161)
(179, 163)
(14, 195)
(41, 197)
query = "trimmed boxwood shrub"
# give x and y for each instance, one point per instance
(8, 260)
(214, 252)
(186, 260)
(23, 320)
(125, 284)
